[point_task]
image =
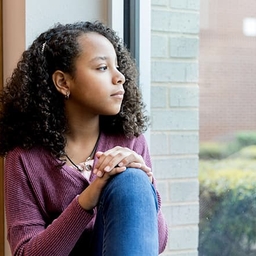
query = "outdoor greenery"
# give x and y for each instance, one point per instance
(220, 150)
(228, 198)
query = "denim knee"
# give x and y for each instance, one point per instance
(126, 222)
(130, 185)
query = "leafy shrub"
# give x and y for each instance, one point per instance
(221, 150)
(212, 150)
(227, 178)
(227, 207)
(248, 152)
(242, 139)
(246, 138)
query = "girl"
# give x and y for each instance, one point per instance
(78, 177)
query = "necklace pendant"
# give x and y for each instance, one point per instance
(88, 167)
(88, 164)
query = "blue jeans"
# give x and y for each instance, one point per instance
(126, 223)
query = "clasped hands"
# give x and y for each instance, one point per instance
(116, 160)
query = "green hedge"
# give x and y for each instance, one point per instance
(245, 138)
(212, 150)
(221, 150)
(228, 207)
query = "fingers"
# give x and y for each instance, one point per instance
(143, 167)
(150, 176)
(114, 171)
(116, 157)
(116, 160)
(106, 175)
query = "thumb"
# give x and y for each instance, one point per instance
(98, 154)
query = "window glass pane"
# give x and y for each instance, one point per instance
(227, 128)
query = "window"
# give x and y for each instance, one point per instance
(227, 128)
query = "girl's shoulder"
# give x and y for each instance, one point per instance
(137, 144)
(35, 164)
(121, 140)
(32, 155)
(19, 151)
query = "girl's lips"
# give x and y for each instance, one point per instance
(119, 94)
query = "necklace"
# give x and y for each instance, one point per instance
(87, 165)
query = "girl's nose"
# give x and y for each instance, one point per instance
(118, 78)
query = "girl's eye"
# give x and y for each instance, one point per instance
(103, 68)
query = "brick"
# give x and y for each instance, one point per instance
(175, 120)
(185, 4)
(184, 96)
(162, 187)
(178, 22)
(182, 47)
(167, 71)
(176, 215)
(182, 143)
(183, 238)
(159, 95)
(159, 144)
(175, 168)
(184, 191)
(159, 46)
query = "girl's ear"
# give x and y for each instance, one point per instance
(61, 82)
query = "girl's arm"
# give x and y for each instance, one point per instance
(27, 228)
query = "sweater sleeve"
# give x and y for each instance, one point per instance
(141, 148)
(28, 233)
(162, 227)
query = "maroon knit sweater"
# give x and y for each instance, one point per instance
(43, 215)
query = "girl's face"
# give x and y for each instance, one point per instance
(97, 86)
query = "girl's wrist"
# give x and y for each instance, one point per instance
(89, 198)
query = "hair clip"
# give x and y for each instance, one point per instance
(43, 46)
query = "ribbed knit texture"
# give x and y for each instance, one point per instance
(43, 215)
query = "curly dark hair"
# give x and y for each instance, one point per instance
(32, 111)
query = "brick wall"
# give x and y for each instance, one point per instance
(174, 118)
(227, 69)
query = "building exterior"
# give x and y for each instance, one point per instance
(169, 50)
(227, 69)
